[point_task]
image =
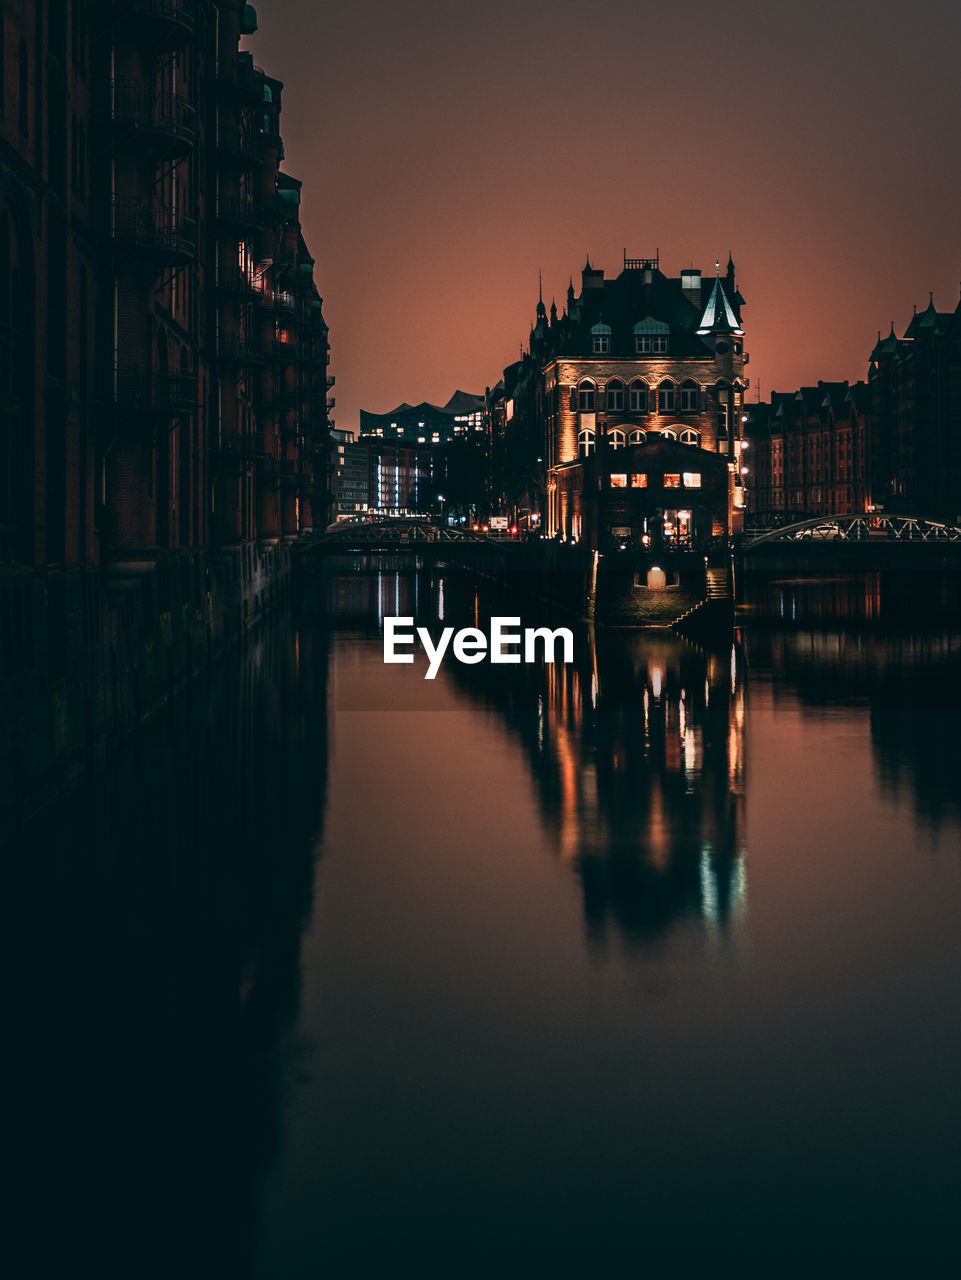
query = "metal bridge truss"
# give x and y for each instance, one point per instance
(398, 533)
(861, 528)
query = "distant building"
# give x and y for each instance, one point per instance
(914, 447)
(401, 479)
(349, 475)
(807, 453)
(463, 417)
(628, 405)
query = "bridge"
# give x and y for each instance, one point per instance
(400, 535)
(857, 541)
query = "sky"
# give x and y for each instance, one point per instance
(450, 151)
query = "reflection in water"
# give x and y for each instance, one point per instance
(153, 943)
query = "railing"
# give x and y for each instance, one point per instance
(239, 444)
(177, 13)
(239, 213)
(166, 115)
(233, 279)
(862, 528)
(237, 146)
(148, 391)
(155, 227)
(239, 350)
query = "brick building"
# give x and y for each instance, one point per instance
(163, 353)
(632, 398)
(807, 453)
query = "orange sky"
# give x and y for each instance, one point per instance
(449, 151)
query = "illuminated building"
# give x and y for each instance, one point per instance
(463, 417)
(349, 475)
(634, 393)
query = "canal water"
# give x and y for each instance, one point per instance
(637, 966)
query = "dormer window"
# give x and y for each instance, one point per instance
(690, 437)
(651, 337)
(637, 437)
(615, 396)
(601, 339)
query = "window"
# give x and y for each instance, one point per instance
(638, 397)
(639, 480)
(585, 397)
(668, 434)
(616, 437)
(650, 344)
(672, 481)
(24, 87)
(637, 437)
(689, 397)
(692, 479)
(690, 437)
(665, 397)
(601, 339)
(615, 396)
(585, 442)
(618, 480)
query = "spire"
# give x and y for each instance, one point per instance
(718, 315)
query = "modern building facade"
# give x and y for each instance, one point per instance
(463, 417)
(632, 398)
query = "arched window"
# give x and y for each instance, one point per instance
(637, 437)
(615, 396)
(585, 397)
(585, 442)
(689, 397)
(668, 434)
(638, 396)
(690, 437)
(616, 438)
(666, 396)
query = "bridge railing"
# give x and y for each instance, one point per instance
(860, 528)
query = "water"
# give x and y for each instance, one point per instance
(642, 966)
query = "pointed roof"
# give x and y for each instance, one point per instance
(718, 315)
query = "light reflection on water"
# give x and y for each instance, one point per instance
(645, 961)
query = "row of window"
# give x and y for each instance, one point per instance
(640, 398)
(644, 344)
(617, 438)
(672, 480)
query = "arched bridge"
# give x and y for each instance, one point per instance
(874, 528)
(399, 535)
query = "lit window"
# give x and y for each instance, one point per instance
(639, 480)
(638, 397)
(585, 397)
(618, 480)
(615, 396)
(616, 438)
(692, 479)
(637, 437)
(672, 482)
(665, 397)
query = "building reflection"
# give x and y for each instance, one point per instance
(637, 752)
(154, 969)
(908, 682)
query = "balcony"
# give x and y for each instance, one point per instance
(236, 281)
(239, 215)
(237, 149)
(278, 300)
(244, 447)
(232, 349)
(145, 391)
(166, 122)
(154, 229)
(173, 21)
